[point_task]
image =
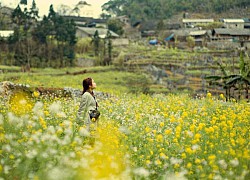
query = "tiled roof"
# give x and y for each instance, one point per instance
(101, 31)
(232, 31)
(197, 20)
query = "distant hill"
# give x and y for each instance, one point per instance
(164, 9)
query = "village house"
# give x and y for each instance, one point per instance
(124, 19)
(233, 23)
(200, 37)
(83, 32)
(191, 23)
(234, 35)
(87, 21)
(246, 23)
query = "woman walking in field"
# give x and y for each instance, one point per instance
(88, 105)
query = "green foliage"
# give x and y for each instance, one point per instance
(235, 81)
(190, 41)
(38, 43)
(116, 26)
(119, 60)
(158, 9)
(96, 42)
(139, 83)
(83, 45)
(244, 66)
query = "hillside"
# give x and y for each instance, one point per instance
(164, 9)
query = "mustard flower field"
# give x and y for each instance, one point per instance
(139, 137)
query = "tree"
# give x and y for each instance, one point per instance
(236, 82)
(23, 2)
(162, 9)
(116, 26)
(96, 42)
(115, 7)
(108, 42)
(191, 41)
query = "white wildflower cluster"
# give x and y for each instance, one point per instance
(124, 130)
(55, 107)
(234, 162)
(222, 164)
(38, 109)
(142, 172)
(12, 119)
(84, 132)
(195, 147)
(172, 176)
(1, 119)
(59, 173)
(175, 160)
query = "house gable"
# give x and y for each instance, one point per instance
(233, 23)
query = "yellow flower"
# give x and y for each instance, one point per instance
(147, 129)
(148, 162)
(189, 150)
(197, 161)
(197, 136)
(36, 94)
(189, 165)
(163, 156)
(12, 156)
(176, 166)
(183, 156)
(161, 124)
(168, 131)
(159, 138)
(211, 157)
(158, 162)
(222, 96)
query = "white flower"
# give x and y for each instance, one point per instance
(51, 130)
(172, 176)
(141, 172)
(195, 147)
(84, 132)
(223, 164)
(190, 134)
(135, 149)
(175, 160)
(234, 162)
(124, 130)
(12, 118)
(59, 173)
(31, 154)
(38, 109)
(1, 119)
(78, 140)
(55, 107)
(7, 148)
(61, 114)
(6, 169)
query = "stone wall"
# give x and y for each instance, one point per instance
(223, 45)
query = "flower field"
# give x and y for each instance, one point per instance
(139, 137)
